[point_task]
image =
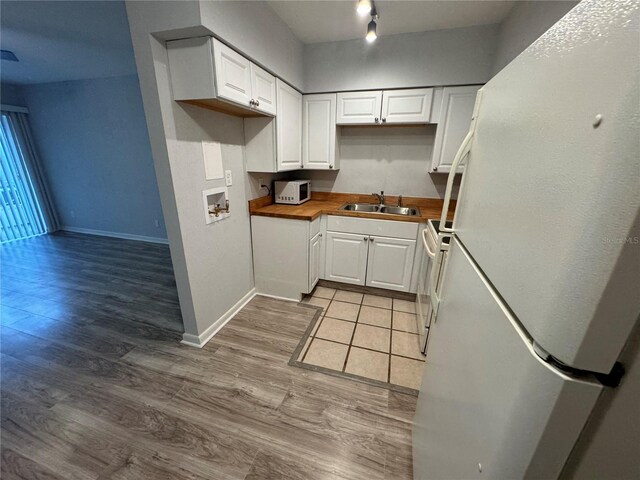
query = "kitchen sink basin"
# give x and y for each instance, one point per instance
(386, 209)
(399, 210)
(361, 207)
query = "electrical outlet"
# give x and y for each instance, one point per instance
(227, 178)
(260, 184)
(156, 222)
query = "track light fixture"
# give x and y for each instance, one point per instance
(368, 7)
(371, 31)
(364, 7)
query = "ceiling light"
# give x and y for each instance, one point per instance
(371, 31)
(364, 7)
(8, 55)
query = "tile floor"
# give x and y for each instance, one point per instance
(366, 335)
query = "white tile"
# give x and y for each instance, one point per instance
(404, 306)
(345, 296)
(380, 317)
(343, 311)
(377, 301)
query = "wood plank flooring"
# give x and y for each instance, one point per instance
(95, 384)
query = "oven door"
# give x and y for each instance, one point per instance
(423, 300)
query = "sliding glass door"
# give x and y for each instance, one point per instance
(20, 215)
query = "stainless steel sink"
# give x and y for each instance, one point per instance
(361, 207)
(410, 211)
(386, 209)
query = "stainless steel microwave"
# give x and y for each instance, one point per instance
(293, 192)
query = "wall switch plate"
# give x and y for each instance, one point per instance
(227, 178)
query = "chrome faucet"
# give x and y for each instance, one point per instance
(380, 197)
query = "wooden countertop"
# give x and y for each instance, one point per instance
(328, 203)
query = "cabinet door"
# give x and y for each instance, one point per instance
(346, 257)
(233, 74)
(455, 118)
(358, 108)
(390, 263)
(319, 131)
(315, 254)
(288, 127)
(263, 90)
(406, 106)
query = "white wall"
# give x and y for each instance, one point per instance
(92, 139)
(260, 34)
(442, 57)
(393, 159)
(212, 263)
(524, 24)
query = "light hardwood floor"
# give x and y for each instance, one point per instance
(95, 383)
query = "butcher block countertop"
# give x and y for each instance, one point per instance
(328, 203)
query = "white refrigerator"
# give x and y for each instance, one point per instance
(542, 284)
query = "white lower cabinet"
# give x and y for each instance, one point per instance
(287, 256)
(370, 260)
(315, 256)
(390, 263)
(346, 257)
(291, 256)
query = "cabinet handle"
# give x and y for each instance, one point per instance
(371, 239)
(320, 235)
(384, 120)
(435, 169)
(330, 166)
(252, 102)
(257, 103)
(377, 120)
(366, 238)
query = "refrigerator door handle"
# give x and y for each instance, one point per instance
(457, 160)
(433, 282)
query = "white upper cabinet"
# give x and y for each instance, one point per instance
(263, 88)
(275, 144)
(206, 72)
(288, 127)
(359, 108)
(406, 106)
(233, 74)
(385, 107)
(319, 132)
(454, 121)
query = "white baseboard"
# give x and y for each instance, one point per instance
(278, 298)
(126, 236)
(201, 340)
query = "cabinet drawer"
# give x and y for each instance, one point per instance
(369, 226)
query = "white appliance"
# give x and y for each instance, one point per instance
(293, 192)
(540, 290)
(430, 273)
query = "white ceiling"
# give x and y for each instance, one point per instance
(57, 41)
(330, 21)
